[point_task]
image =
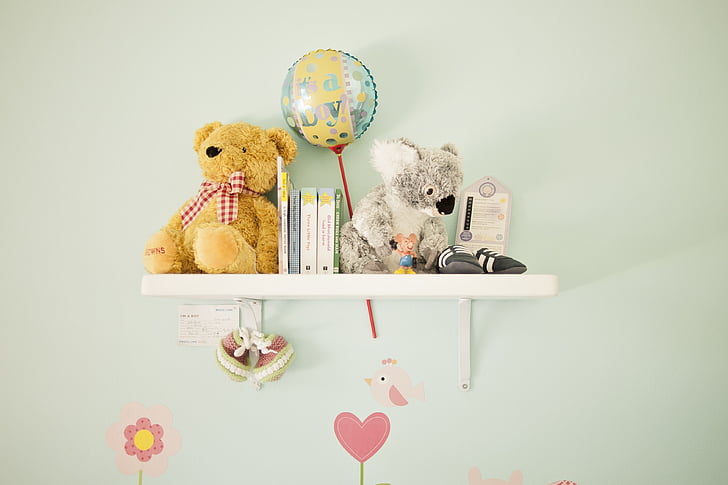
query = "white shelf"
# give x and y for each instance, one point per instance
(350, 286)
(463, 288)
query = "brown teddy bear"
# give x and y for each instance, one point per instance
(229, 226)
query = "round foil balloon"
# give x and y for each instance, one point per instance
(329, 98)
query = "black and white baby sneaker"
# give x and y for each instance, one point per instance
(496, 263)
(457, 259)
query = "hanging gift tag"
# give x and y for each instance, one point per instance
(485, 213)
(205, 325)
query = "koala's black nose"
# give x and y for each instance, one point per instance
(212, 152)
(445, 206)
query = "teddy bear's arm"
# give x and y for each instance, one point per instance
(175, 222)
(434, 241)
(267, 247)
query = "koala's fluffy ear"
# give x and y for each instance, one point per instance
(449, 147)
(285, 145)
(202, 134)
(390, 157)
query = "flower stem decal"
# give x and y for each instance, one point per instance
(143, 439)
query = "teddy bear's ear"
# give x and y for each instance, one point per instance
(202, 134)
(391, 157)
(285, 144)
(449, 147)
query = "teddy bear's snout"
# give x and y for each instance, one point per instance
(445, 206)
(213, 151)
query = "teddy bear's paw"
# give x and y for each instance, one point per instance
(221, 249)
(160, 254)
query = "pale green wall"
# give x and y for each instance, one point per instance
(606, 119)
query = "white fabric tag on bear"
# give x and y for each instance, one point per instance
(485, 214)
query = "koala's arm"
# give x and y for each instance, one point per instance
(434, 240)
(267, 248)
(372, 219)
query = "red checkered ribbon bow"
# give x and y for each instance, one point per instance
(227, 199)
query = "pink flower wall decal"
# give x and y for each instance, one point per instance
(143, 439)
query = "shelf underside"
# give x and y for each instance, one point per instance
(350, 286)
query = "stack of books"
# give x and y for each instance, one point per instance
(309, 221)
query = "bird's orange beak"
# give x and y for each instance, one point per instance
(368, 381)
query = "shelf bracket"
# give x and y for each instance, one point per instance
(252, 308)
(464, 343)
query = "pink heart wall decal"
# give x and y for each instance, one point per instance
(361, 440)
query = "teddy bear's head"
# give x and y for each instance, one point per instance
(427, 179)
(241, 147)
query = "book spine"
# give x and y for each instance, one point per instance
(309, 210)
(337, 231)
(283, 224)
(325, 235)
(294, 231)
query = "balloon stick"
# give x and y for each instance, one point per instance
(338, 150)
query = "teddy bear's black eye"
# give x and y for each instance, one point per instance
(428, 189)
(212, 151)
(244, 149)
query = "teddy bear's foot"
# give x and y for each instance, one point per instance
(221, 249)
(160, 254)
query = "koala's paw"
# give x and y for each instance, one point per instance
(430, 257)
(383, 251)
(375, 267)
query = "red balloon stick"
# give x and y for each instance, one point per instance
(338, 150)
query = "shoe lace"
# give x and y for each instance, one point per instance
(253, 339)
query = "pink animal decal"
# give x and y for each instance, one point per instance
(361, 440)
(475, 478)
(392, 386)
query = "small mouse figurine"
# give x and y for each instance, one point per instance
(404, 246)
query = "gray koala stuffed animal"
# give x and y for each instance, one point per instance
(420, 185)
